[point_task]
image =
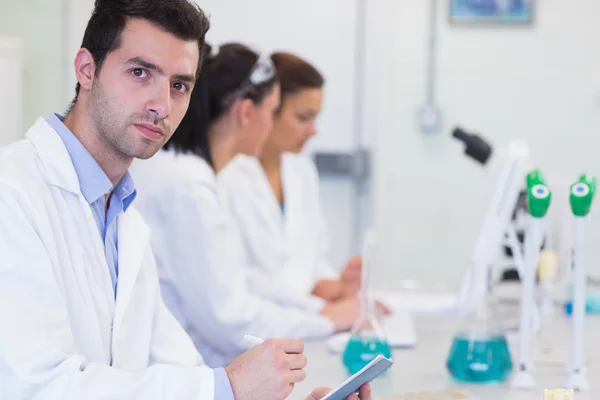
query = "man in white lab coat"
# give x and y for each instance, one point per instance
(81, 315)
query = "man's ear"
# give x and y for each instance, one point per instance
(85, 68)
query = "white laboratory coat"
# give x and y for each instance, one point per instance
(286, 250)
(202, 276)
(62, 334)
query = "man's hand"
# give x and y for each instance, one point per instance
(268, 371)
(364, 394)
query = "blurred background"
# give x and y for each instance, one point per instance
(401, 75)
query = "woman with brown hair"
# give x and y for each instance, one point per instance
(274, 199)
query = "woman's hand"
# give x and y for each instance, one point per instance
(351, 276)
(348, 284)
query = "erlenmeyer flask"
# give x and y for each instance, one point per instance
(364, 346)
(479, 351)
(367, 339)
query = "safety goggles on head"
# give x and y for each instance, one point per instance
(262, 72)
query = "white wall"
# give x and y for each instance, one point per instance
(539, 83)
(39, 25)
(78, 14)
(11, 89)
(306, 28)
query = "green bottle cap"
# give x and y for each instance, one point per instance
(538, 194)
(582, 195)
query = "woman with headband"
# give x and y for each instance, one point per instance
(280, 217)
(198, 251)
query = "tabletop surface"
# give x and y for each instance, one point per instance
(422, 369)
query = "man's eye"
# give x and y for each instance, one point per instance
(139, 73)
(180, 87)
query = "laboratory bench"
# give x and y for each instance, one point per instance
(423, 368)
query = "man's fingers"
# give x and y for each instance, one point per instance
(293, 346)
(319, 393)
(297, 361)
(365, 392)
(297, 375)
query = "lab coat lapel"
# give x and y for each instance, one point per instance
(101, 274)
(61, 173)
(290, 195)
(54, 155)
(134, 236)
(273, 208)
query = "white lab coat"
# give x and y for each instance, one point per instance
(286, 250)
(203, 278)
(62, 334)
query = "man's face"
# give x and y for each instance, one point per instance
(143, 89)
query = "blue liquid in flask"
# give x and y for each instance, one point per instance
(479, 359)
(361, 350)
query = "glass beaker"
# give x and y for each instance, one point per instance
(479, 352)
(367, 340)
(363, 346)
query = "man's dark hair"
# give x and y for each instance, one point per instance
(181, 18)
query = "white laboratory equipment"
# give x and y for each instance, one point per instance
(496, 224)
(479, 352)
(581, 197)
(539, 197)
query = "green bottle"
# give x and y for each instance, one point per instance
(538, 194)
(582, 195)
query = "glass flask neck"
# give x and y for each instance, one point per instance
(484, 319)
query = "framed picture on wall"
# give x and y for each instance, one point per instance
(510, 12)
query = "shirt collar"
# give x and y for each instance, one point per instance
(93, 181)
(126, 191)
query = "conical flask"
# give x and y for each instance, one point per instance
(367, 340)
(479, 352)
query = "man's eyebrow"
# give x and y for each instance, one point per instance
(146, 64)
(185, 78)
(153, 67)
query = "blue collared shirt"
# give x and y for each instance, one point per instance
(223, 389)
(95, 185)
